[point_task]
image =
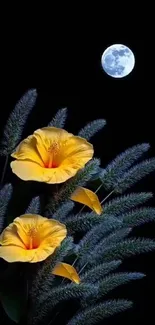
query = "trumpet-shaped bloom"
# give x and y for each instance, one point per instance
(88, 198)
(67, 271)
(50, 155)
(31, 238)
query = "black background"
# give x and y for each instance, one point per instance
(64, 65)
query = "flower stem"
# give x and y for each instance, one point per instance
(80, 210)
(83, 267)
(75, 260)
(99, 187)
(107, 196)
(4, 169)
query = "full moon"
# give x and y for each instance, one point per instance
(118, 61)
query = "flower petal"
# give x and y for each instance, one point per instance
(18, 254)
(27, 171)
(66, 271)
(9, 236)
(48, 135)
(77, 150)
(88, 198)
(27, 150)
(52, 233)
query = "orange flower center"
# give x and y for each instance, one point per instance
(53, 153)
(34, 241)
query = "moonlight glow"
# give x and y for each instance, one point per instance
(118, 61)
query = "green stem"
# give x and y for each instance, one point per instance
(107, 196)
(4, 169)
(99, 187)
(75, 260)
(83, 267)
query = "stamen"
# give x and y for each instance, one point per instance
(53, 150)
(32, 235)
(32, 232)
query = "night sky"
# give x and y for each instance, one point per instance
(65, 67)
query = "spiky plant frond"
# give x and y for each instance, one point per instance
(34, 206)
(59, 119)
(121, 164)
(5, 196)
(16, 122)
(92, 315)
(92, 128)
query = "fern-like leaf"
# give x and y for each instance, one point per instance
(82, 223)
(138, 217)
(126, 248)
(94, 314)
(124, 203)
(115, 237)
(34, 206)
(87, 243)
(62, 212)
(5, 196)
(96, 273)
(134, 175)
(121, 164)
(60, 118)
(92, 128)
(16, 122)
(60, 294)
(113, 281)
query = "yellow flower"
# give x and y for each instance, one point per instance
(88, 198)
(67, 271)
(50, 155)
(31, 238)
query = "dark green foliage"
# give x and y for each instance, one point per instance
(112, 281)
(89, 241)
(124, 203)
(138, 217)
(34, 206)
(96, 273)
(121, 164)
(80, 179)
(82, 223)
(92, 128)
(5, 196)
(60, 118)
(94, 314)
(16, 122)
(114, 237)
(62, 212)
(60, 294)
(124, 248)
(134, 175)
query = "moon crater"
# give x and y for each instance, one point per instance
(118, 61)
